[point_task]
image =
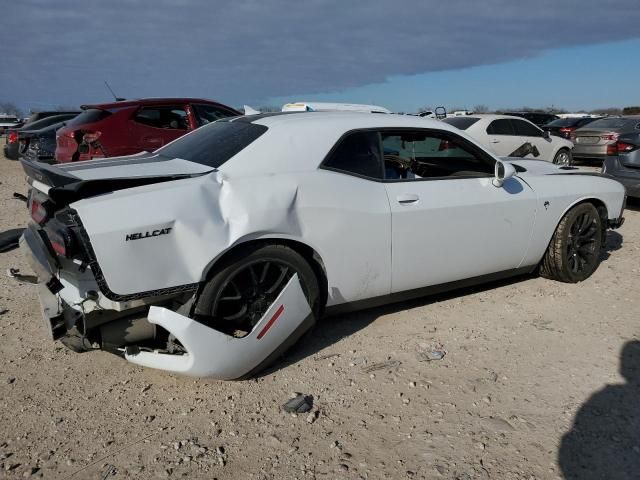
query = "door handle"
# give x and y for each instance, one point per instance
(495, 140)
(407, 199)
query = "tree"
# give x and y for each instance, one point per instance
(481, 109)
(10, 109)
(631, 111)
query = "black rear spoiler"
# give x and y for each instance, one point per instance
(67, 188)
(47, 174)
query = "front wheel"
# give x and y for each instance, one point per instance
(563, 158)
(574, 251)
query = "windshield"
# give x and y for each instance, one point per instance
(213, 144)
(461, 122)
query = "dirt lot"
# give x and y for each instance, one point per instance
(522, 358)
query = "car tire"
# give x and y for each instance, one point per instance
(563, 158)
(574, 251)
(233, 270)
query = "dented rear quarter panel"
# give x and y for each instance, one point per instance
(210, 214)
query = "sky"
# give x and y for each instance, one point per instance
(401, 54)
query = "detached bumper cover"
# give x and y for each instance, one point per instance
(211, 353)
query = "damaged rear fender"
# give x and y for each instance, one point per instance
(211, 353)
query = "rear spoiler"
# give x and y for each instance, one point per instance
(67, 188)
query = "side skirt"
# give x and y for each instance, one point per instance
(425, 291)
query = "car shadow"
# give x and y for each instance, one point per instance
(633, 204)
(604, 441)
(613, 243)
(330, 330)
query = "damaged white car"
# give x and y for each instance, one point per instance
(213, 254)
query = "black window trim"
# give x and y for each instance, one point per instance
(463, 142)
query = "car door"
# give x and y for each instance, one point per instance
(448, 221)
(531, 134)
(501, 137)
(153, 126)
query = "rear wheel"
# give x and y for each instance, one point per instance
(574, 251)
(245, 286)
(563, 158)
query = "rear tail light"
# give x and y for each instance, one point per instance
(567, 129)
(60, 238)
(620, 147)
(625, 147)
(610, 136)
(39, 212)
(12, 137)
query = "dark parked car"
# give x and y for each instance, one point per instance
(538, 118)
(42, 144)
(36, 116)
(593, 140)
(563, 127)
(18, 140)
(128, 127)
(623, 162)
(8, 122)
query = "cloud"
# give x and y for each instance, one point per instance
(249, 50)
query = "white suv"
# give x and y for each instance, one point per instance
(510, 136)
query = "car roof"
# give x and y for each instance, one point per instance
(344, 120)
(492, 116)
(151, 101)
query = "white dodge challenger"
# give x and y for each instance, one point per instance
(213, 254)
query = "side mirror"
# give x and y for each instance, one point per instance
(504, 171)
(546, 134)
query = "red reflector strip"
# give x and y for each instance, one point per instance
(271, 322)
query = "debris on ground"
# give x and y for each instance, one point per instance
(431, 355)
(301, 403)
(381, 365)
(15, 273)
(10, 239)
(19, 196)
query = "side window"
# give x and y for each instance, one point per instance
(414, 154)
(358, 153)
(208, 113)
(500, 127)
(172, 118)
(526, 129)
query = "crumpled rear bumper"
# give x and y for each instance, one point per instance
(211, 353)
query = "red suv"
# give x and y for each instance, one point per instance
(128, 127)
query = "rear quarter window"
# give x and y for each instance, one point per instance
(91, 115)
(213, 144)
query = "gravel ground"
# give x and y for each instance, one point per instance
(523, 357)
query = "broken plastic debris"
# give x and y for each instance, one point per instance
(19, 196)
(429, 356)
(299, 404)
(10, 239)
